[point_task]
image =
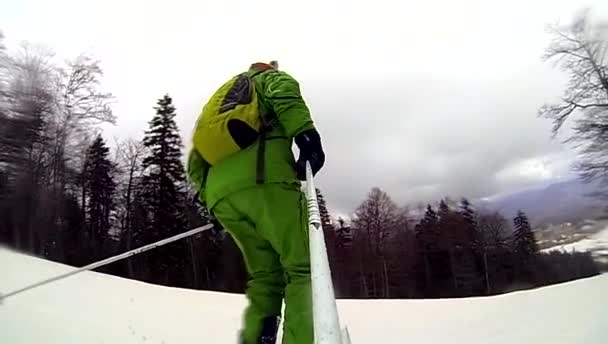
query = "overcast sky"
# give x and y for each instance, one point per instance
(421, 98)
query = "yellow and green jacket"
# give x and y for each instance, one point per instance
(279, 94)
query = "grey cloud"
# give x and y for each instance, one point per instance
(420, 140)
(422, 101)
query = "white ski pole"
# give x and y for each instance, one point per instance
(109, 260)
(325, 313)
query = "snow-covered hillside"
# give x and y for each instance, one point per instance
(97, 308)
(597, 244)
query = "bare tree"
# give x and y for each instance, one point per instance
(81, 106)
(492, 227)
(78, 108)
(397, 259)
(130, 154)
(4, 63)
(47, 112)
(377, 215)
(375, 220)
(581, 49)
(29, 103)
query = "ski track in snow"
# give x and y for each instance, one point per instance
(96, 308)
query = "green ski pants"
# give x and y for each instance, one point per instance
(269, 223)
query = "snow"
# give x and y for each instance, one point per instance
(96, 308)
(597, 244)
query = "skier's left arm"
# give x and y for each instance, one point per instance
(197, 169)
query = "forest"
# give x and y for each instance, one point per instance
(68, 195)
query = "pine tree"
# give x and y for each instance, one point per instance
(471, 234)
(427, 231)
(468, 214)
(99, 185)
(344, 234)
(329, 231)
(164, 193)
(139, 222)
(446, 229)
(525, 247)
(5, 225)
(524, 241)
(446, 263)
(426, 227)
(343, 271)
(427, 244)
(444, 210)
(469, 253)
(74, 248)
(325, 217)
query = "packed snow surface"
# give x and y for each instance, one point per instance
(96, 308)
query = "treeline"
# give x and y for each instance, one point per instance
(66, 195)
(448, 251)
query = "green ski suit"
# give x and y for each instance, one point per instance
(268, 221)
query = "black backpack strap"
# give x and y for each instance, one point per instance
(261, 160)
(267, 124)
(268, 119)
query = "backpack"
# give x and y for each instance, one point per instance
(230, 121)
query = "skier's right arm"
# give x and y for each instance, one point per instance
(282, 92)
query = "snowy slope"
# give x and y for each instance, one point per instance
(97, 308)
(597, 244)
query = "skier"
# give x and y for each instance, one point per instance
(256, 195)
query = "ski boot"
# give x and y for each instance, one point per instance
(270, 329)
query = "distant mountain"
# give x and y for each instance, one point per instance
(566, 201)
(555, 202)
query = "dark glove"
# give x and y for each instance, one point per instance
(217, 229)
(309, 143)
(204, 212)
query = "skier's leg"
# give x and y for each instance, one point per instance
(285, 224)
(265, 285)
